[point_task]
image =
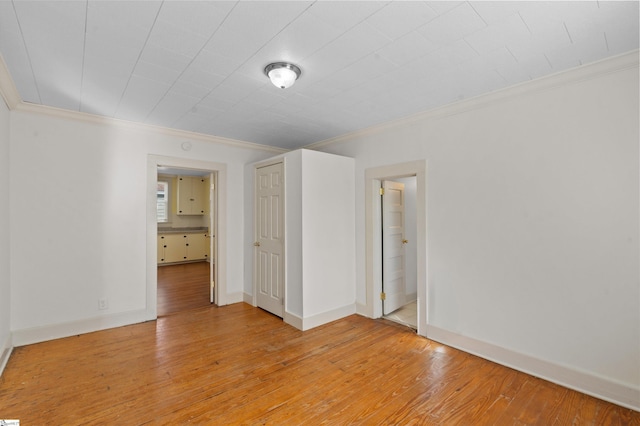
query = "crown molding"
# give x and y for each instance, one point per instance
(579, 74)
(131, 125)
(575, 75)
(7, 87)
(15, 103)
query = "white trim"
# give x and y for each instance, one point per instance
(116, 122)
(236, 297)
(362, 310)
(14, 101)
(328, 316)
(293, 320)
(248, 298)
(5, 354)
(549, 82)
(373, 246)
(44, 333)
(153, 161)
(600, 387)
(8, 88)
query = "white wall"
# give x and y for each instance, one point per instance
(78, 215)
(532, 217)
(328, 233)
(294, 297)
(5, 329)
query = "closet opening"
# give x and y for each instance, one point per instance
(399, 257)
(393, 293)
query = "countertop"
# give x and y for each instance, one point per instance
(182, 230)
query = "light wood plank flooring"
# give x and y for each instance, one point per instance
(182, 287)
(406, 315)
(240, 365)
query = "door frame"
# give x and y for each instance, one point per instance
(373, 236)
(220, 248)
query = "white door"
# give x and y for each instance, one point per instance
(269, 242)
(393, 242)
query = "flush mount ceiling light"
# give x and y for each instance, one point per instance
(282, 74)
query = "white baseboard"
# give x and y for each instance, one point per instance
(588, 383)
(308, 323)
(28, 336)
(362, 309)
(236, 297)
(5, 352)
(326, 317)
(247, 298)
(293, 320)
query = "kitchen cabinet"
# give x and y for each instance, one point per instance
(192, 195)
(197, 246)
(182, 247)
(172, 248)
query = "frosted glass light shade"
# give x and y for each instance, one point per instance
(282, 74)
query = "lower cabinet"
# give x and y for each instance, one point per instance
(197, 246)
(182, 247)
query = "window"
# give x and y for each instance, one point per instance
(163, 201)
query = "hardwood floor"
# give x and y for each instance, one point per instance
(240, 365)
(182, 287)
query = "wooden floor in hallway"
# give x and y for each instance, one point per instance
(182, 287)
(240, 365)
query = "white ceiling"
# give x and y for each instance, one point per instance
(198, 65)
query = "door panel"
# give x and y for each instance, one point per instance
(269, 244)
(393, 274)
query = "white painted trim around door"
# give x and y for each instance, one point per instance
(152, 227)
(373, 246)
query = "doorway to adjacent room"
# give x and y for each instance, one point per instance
(196, 238)
(415, 171)
(186, 239)
(399, 260)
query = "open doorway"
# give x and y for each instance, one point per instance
(399, 255)
(217, 239)
(186, 239)
(373, 238)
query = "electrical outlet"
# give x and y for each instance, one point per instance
(102, 304)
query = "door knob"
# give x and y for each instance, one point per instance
(257, 244)
(405, 241)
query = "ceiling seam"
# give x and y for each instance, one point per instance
(320, 48)
(33, 74)
(568, 33)
(84, 53)
(188, 65)
(364, 20)
(476, 12)
(239, 66)
(525, 24)
(138, 59)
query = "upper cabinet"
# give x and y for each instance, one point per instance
(192, 195)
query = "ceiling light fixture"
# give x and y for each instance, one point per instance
(282, 74)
